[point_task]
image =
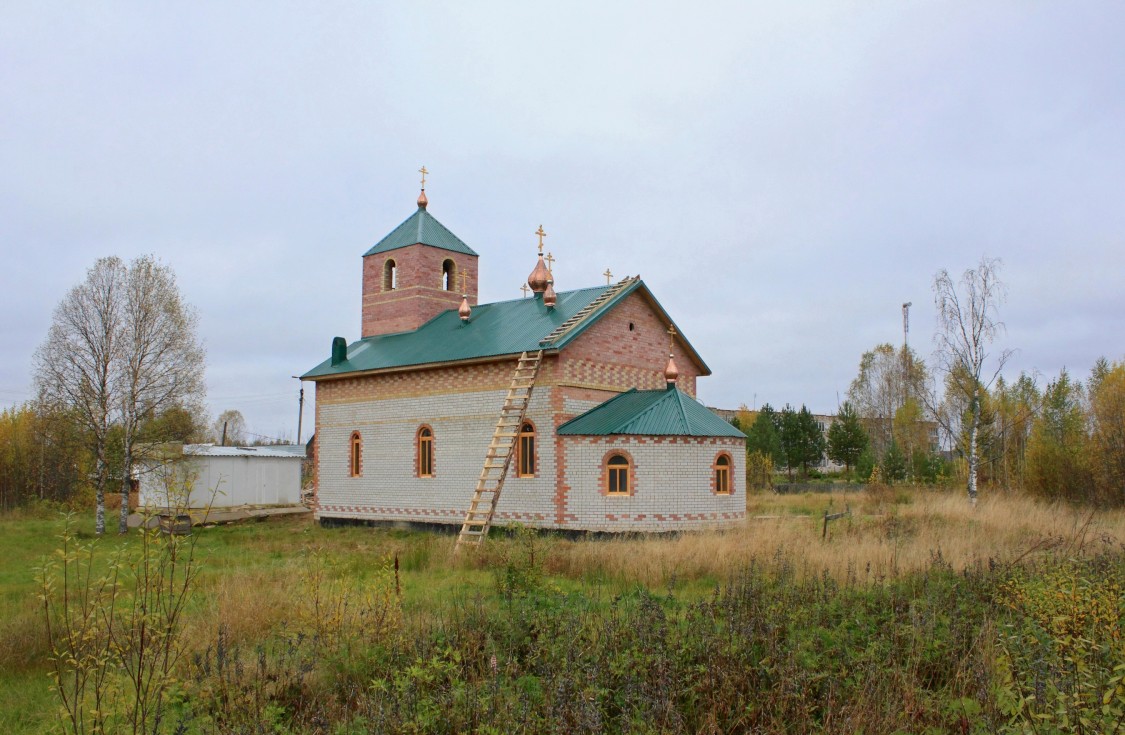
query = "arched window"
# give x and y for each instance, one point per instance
(425, 452)
(355, 456)
(525, 456)
(448, 276)
(617, 475)
(390, 275)
(722, 474)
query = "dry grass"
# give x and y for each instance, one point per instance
(23, 639)
(248, 605)
(884, 537)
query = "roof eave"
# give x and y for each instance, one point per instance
(420, 366)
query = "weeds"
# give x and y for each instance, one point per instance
(926, 617)
(113, 631)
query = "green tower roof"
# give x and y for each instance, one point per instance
(668, 412)
(421, 228)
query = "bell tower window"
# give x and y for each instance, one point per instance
(448, 275)
(390, 275)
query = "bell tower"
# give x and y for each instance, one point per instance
(416, 272)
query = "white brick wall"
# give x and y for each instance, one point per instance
(673, 479)
(672, 484)
(462, 425)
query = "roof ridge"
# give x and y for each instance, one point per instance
(680, 404)
(578, 322)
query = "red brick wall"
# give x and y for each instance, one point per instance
(612, 356)
(419, 296)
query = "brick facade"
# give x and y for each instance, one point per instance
(460, 404)
(626, 348)
(418, 295)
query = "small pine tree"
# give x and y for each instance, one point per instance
(763, 435)
(846, 437)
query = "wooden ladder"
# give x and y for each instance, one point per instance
(498, 460)
(588, 309)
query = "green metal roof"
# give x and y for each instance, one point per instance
(421, 227)
(668, 412)
(501, 328)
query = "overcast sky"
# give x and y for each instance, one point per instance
(783, 175)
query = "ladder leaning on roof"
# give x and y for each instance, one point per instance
(588, 309)
(498, 459)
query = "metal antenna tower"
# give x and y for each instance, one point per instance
(906, 322)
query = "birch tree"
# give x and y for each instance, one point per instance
(887, 379)
(161, 361)
(121, 349)
(967, 325)
(76, 366)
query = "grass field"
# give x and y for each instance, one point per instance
(480, 638)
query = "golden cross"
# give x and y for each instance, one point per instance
(541, 234)
(671, 337)
(525, 289)
(608, 276)
(423, 171)
(550, 263)
(464, 282)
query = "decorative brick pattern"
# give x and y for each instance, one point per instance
(462, 425)
(419, 295)
(610, 355)
(671, 479)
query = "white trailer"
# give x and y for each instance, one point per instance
(223, 477)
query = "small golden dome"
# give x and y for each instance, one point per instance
(671, 372)
(464, 311)
(549, 296)
(422, 200)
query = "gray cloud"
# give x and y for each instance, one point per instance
(783, 177)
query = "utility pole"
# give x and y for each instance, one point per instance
(906, 386)
(906, 351)
(301, 406)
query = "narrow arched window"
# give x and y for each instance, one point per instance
(618, 475)
(722, 474)
(390, 275)
(425, 452)
(355, 455)
(525, 464)
(448, 275)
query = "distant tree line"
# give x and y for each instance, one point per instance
(47, 455)
(1063, 441)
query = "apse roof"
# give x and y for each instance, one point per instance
(668, 412)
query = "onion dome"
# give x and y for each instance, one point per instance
(539, 277)
(549, 297)
(464, 311)
(671, 372)
(422, 200)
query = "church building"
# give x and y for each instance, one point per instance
(572, 410)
